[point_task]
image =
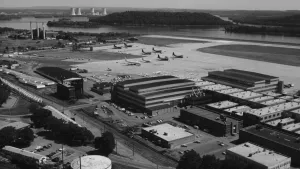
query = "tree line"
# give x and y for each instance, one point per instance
(73, 24)
(159, 18)
(263, 30)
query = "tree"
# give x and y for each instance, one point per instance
(39, 115)
(210, 162)
(8, 135)
(233, 164)
(190, 160)
(25, 137)
(105, 144)
(5, 92)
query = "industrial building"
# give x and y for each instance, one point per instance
(258, 157)
(265, 114)
(292, 127)
(229, 91)
(220, 125)
(283, 142)
(281, 122)
(69, 84)
(152, 95)
(31, 157)
(168, 136)
(245, 80)
(246, 95)
(295, 114)
(273, 102)
(91, 162)
(261, 99)
(216, 87)
(221, 105)
(238, 111)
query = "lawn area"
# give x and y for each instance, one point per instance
(280, 55)
(20, 108)
(165, 41)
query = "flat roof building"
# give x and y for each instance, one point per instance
(204, 83)
(222, 105)
(280, 141)
(273, 102)
(296, 100)
(230, 91)
(167, 135)
(288, 98)
(259, 157)
(245, 80)
(281, 122)
(273, 94)
(216, 87)
(295, 114)
(261, 99)
(220, 125)
(239, 110)
(292, 127)
(154, 94)
(246, 95)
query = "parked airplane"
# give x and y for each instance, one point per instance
(145, 61)
(127, 46)
(163, 59)
(132, 63)
(177, 56)
(146, 53)
(117, 47)
(156, 51)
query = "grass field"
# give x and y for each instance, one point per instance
(165, 41)
(286, 56)
(20, 108)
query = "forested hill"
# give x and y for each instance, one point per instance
(159, 18)
(286, 21)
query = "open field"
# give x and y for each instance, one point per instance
(287, 56)
(164, 41)
(20, 108)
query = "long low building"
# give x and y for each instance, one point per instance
(220, 125)
(261, 99)
(258, 157)
(273, 102)
(281, 122)
(274, 139)
(245, 80)
(246, 95)
(222, 105)
(151, 95)
(239, 110)
(168, 136)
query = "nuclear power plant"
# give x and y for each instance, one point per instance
(77, 11)
(38, 33)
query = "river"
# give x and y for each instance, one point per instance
(199, 31)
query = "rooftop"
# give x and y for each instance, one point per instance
(286, 97)
(145, 80)
(17, 125)
(296, 100)
(230, 91)
(254, 74)
(271, 94)
(168, 132)
(276, 122)
(261, 99)
(292, 127)
(209, 115)
(235, 76)
(274, 135)
(238, 109)
(58, 73)
(272, 102)
(297, 111)
(23, 152)
(222, 104)
(258, 154)
(273, 109)
(246, 95)
(216, 87)
(204, 83)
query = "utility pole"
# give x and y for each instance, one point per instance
(116, 146)
(79, 162)
(62, 155)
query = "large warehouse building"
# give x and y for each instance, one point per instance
(168, 136)
(152, 95)
(258, 157)
(217, 124)
(69, 84)
(245, 80)
(275, 139)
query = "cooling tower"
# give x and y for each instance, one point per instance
(93, 11)
(73, 11)
(104, 12)
(78, 11)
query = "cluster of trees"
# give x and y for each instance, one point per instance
(4, 93)
(192, 160)
(17, 138)
(159, 18)
(288, 31)
(105, 144)
(68, 132)
(9, 17)
(73, 24)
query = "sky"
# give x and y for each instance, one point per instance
(182, 4)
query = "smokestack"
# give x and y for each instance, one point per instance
(104, 12)
(37, 31)
(78, 11)
(44, 32)
(73, 11)
(31, 32)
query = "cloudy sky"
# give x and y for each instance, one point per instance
(191, 4)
